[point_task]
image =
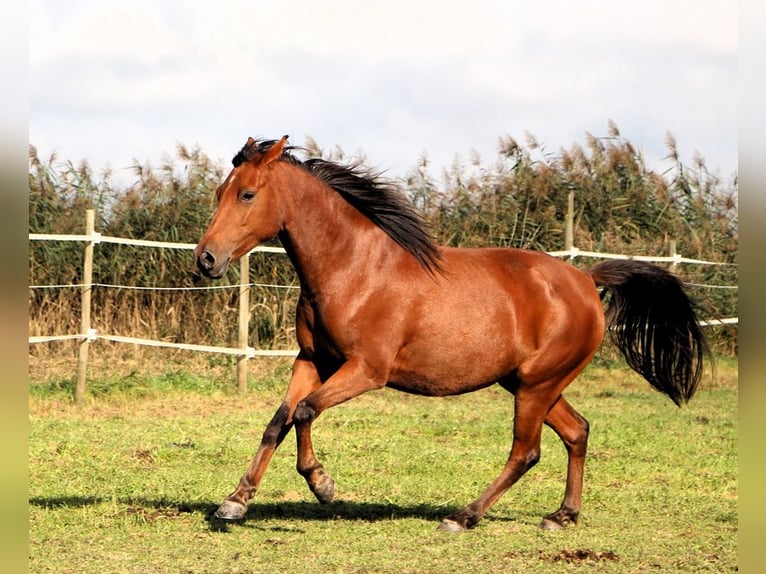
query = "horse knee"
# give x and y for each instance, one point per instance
(304, 413)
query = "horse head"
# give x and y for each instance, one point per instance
(248, 211)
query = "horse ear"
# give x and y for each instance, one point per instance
(250, 141)
(274, 152)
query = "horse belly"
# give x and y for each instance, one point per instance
(462, 356)
(440, 382)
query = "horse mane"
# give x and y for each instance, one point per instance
(380, 200)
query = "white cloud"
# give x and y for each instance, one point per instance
(110, 81)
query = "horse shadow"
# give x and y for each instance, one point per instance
(260, 515)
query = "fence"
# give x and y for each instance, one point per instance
(244, 352)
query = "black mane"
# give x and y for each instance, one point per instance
(381, 201)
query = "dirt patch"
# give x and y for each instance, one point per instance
(579, 555)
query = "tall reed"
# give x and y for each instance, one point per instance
(519, 200)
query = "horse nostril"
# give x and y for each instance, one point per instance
(206, 260)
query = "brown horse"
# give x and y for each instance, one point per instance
(382, 305)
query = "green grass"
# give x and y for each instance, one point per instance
(128, 482)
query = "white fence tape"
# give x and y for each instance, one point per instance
(96, 238)
(571, 253)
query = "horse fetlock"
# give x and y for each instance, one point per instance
(460, 521)
(560, 519)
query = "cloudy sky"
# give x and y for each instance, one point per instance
(111, 81)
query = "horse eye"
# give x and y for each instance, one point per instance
(247, 195)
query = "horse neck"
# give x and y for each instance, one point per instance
(326, 239)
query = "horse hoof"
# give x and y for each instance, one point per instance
(230, 510)
(553, 523)
(448, 525)
(324, 489)
(550, 525)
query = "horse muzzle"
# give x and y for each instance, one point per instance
(210, 266)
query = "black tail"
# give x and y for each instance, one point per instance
(654, 324)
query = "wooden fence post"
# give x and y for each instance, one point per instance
(244, 320)
(569, 229)
(85, 294)
(672, 252)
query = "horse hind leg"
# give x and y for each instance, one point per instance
(572, 429)
(536, 402)
(531, 409)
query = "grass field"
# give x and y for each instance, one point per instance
(128, 482)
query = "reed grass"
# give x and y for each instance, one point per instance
(520, 200)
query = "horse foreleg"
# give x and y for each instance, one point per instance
(235, 505)
(351, 380)
(304, 380)
(572, 428)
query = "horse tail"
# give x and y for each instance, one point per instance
(654, 324)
